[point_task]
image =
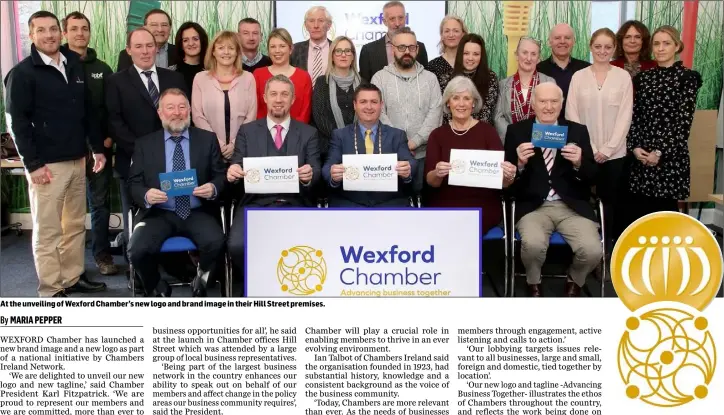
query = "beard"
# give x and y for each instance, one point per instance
(404, 63)
(176, 126)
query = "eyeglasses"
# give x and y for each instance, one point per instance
(402, 48)
(340, 52)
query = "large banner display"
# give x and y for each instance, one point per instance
(363, 252)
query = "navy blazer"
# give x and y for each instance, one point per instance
(394, 141)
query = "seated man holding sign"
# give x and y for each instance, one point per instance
(464, 165)
(369, 163)
(175, 174)
(278, 159)
(556, 170)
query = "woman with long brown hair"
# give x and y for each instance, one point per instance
(633, 48)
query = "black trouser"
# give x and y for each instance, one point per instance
(143, 250)
(98, 195)
(126, 203)
(609, 187)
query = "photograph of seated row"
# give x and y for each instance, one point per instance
(200, 111)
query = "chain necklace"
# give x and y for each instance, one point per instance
(465, 132)
(379, 137)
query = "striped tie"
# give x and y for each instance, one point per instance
(549, 158)
(317, 67)
(152, 90)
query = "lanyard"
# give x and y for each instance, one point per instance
(379, 137)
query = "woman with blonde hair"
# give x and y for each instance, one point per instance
(663, 111)
(452, 29)
(224, 95)
(279, 46)
(333, 96)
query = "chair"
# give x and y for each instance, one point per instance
(499, 233)
(181, 244)
(556, 239)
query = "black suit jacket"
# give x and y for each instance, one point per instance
(125, 62)
(373, 57)
(131, 113)
(531, 186)
(300, 54)
(149, 160)
(301, 140)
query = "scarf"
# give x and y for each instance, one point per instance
(520, 108)
(344, 82)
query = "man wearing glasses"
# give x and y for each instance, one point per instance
(158, 22)
(412, 98)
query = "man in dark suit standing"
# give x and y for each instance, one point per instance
(552, 191)
(312, 55)
(178, 147)
(158, 22)
(276, 135)
(378, 54)
(132, 97)
(371, 137)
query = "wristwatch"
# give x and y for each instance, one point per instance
(658, 153)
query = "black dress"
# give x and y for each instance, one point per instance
(189, 72)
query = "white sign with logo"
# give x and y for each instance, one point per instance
(370, 172)
(271, 174)
(476, 168)
(363, 253)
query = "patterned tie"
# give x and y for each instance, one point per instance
(152, 90)
(183, 203)
(317, 66)
(548, 156)
(278, 137)
(369, 145)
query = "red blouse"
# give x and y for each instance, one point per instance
(301, 108)
(645, 65)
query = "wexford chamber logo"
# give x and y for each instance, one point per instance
(537, 135)
(666, 269)
(351, 173)
(252, 176)
(302, 270)
(166, 185)
(458, 166)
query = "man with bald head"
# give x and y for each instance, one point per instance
(561, 65)
(552, 190)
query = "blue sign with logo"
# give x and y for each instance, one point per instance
(178, 183)
(549, 136)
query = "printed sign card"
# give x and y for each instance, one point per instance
(370, 172)
(271, 174)
(549, 136)
(476, 168)
(178, 183)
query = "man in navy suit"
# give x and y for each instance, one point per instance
(372, 137)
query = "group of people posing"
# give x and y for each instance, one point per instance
(207, 104)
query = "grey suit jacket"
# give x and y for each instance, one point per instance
(300, 54)
(503, 117)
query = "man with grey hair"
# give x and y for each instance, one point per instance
(376, 55)
(178, 147)
(276, 135)
(312, 55)
(552, 189)
(412, 98)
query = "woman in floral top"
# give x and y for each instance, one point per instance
(664, 106)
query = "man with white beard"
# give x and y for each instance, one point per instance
(176, 148)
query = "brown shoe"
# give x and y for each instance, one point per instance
(572, 289)
(105, 264)
(534, 290)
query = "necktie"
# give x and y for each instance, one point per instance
(369, 145)
(278, 136)
(548, 157)
(152, 90)
(183, 203)
(317, 66)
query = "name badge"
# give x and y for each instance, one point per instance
(476, 168)
(370, 172)
(549, 136)
(178, 183)
(265, 175)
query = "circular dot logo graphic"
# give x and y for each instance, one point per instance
(458, 166)
(351, 173)
(166, 185)
(252, 176)
(301, 270)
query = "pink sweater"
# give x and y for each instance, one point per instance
(207, 104)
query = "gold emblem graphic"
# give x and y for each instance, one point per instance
(666, 269)
(351, 173)
(458, 166)
(302, 270)
(252, 176)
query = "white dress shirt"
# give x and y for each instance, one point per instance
(60, 66)
(270, 124)
(154, 76)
